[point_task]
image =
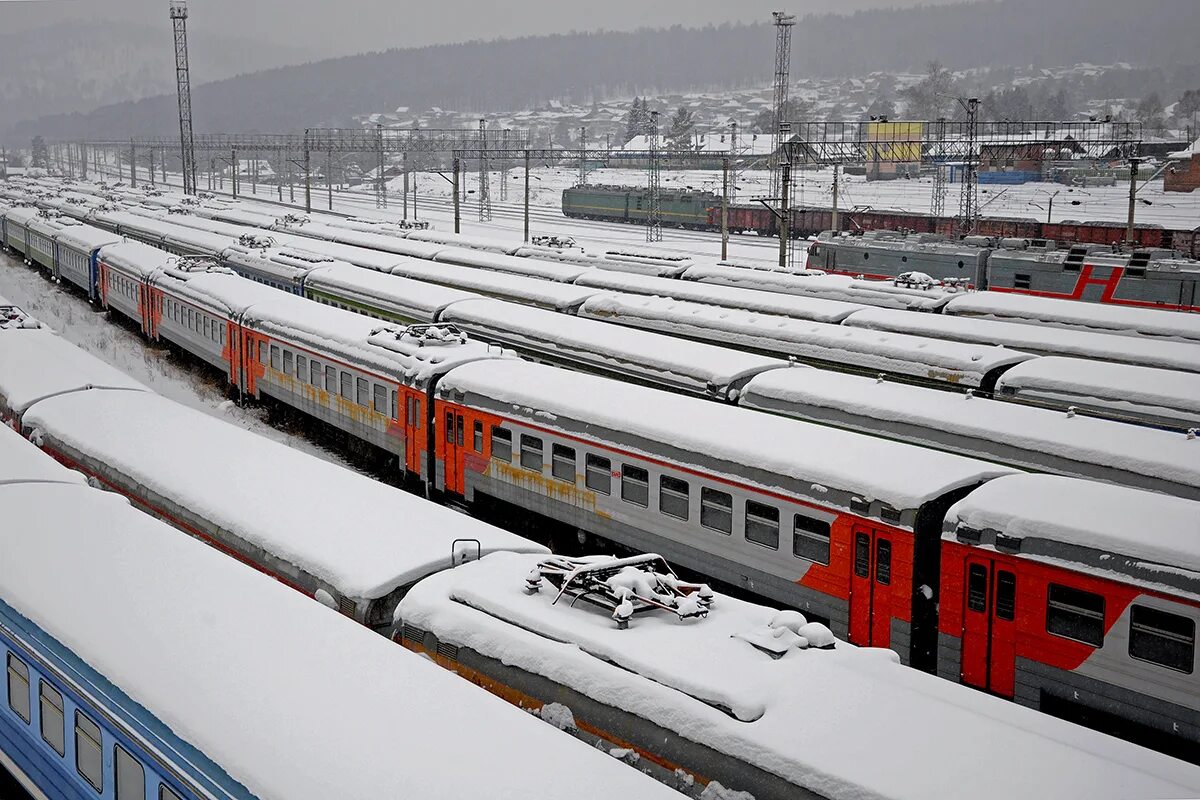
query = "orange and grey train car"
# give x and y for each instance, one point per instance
(1080, 599)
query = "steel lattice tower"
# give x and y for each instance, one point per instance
(937, 203)
(179, 14)
(968, 203)
(485, 196)
(653, 204)
(380, 179)
(783, 59)
(504, 165)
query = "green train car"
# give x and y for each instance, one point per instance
(680, 209)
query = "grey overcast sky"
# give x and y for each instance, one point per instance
(321, 28)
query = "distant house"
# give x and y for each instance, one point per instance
(1183, 173)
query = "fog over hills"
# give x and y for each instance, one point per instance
(522, 72)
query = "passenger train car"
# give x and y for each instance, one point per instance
(160, 675)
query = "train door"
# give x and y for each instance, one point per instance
(413, 420)
(989, 626)
(454, 437)
(871, 588)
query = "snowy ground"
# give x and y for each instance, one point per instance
(186, 383)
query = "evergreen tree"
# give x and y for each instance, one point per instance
(637, 121)
(679, 135)
(40, 158)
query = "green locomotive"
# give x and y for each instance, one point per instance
(680, 209)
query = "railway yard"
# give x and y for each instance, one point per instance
(774, 497)
(834, 437)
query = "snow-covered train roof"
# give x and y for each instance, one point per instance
(359, 256)
(135, 257)
(1010, 433)
(833, 287)
(370, 540)
(1103, 317)
(1183, 356)
(21, 462)
(1121, 387)
(517, 288)
(234, 653)
(499, 262)
(382, 242)
(395, 293)
(86, 237)
(471, 242)
(1159, 537)
(391, 349)
(212, 243)
(38, 363)
(613, 349)
(771, 451)
(288, 264)
(843, 723)
(22, 214)
(917, 356)
(801, 307)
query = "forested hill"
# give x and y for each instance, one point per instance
(518, 73)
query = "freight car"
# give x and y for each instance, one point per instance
(677, 208)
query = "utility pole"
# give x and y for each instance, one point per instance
(785, 221)
(504, 165)
(132, 164)
(234, 169)
(937, 203)
(151, 166)
(582, 155)
(485, 196)
(454, 185)
(653, 203)
(307, 175)
(733, 154)
(329, 175)
(784, 23)
(279, 177)
(526, 195)
(1134, 161)
(836, 221)
(179, 14)
(725, 208)
(968, 204)
(380, 182)
(404, 169)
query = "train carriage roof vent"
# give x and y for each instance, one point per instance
(889, 514)
(1008, 544)
(256, 241)
(422, 335)
(968, 535)
(191, 265)
(977, 241)
(346, 606)
(860, 505)
(288, 220)
(411, 633)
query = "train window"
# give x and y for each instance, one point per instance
(810, 539)
(1006, 595)
(635, 485)
(598, 475)
(347, 385)
(396, 407)
(1022, 281)
(54, 730)
(977, 579)
(502, 443)
(477, 443)
(562, 463)
(1159, 637)
(380, 398)
(449, 427)
(88, 758)
(18, 687)
(301, 367)
(960, 265)
(866, 256)
(862, 555)
(458, 428)
(531, 452)
(762, 524)
(288, 362)
(262, 353)
(1075, 614)
(131, 776)
(883, 562)
(274, 356)
(673, 497)
(314, 373)
(165, 793)
(716, 510)
(363, 394)
(330, 379)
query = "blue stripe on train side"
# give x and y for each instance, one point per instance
(74, 674)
